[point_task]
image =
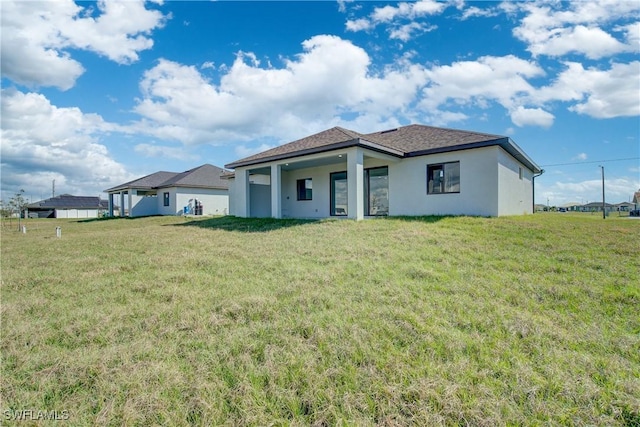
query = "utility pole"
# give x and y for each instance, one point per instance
(604, 213)
(53, 188)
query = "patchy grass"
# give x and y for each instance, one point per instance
(426, 321)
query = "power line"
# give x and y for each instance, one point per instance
(593, 161)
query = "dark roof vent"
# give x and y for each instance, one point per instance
(388, 131)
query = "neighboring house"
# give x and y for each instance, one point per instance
(597, 207)
(624, 207)
(412, 170)
(68, 206)
(636, 199)
(572, 206)
(198, 191)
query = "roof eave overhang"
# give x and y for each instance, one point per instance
(128, 187)
(505, 143)
(46, 208)
(211, 187)
(513, 149)
(357, 142)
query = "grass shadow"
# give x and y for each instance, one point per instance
(113, 218)
(426, 219)
(246, 225)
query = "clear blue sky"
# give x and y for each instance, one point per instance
(95, 94)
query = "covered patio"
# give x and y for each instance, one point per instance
(337, 184)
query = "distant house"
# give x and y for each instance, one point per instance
(68, 206)
(198, 191)
(597, 207)
(636, 199)
(572, 206)
(624, 207)
(411, 170)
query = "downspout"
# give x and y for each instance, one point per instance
(533, 190)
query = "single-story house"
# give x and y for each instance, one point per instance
(624, 207)
(68, 206)
(412, 170)
(198, 191)
(597, 207)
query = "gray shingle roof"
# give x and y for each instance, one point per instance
(67, 201)
(406, 141)
(324, 139)
(414, 139)
(205, 176)
(148, 181)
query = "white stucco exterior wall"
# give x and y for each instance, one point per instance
(478, 185)
(214, 201)
(489, 186)
(319, 205)
(232, 195)
(516, 195)
(141, 205)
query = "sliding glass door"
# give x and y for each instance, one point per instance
(339, 195)
(376, 192)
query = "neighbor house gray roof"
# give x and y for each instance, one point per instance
(149, 181)
(596, 205)
(67, 201)
(405, 141)
(205, 176)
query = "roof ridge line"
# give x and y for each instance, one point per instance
(350, 133)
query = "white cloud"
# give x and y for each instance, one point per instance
(406, 32)
(558, 28)
(162, 151)
(612, 93)
(597, 93)
(359, 25)
(342, 5)
(593, 42)
(243, 151)
(581, 156)
(41, 142)
(490, 78)
(472, 12)
(402, 19)
(331, 77)
(37, 36)
(632, 34)
(443, 118)
(522, 116)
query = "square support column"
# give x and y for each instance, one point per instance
(276, 191)
(243, 196)
(110, 204)
(122, 203)
(355, 183)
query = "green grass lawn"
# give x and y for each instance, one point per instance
(531, 320)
